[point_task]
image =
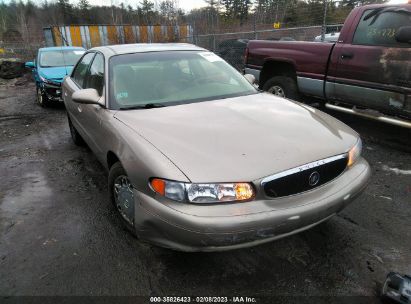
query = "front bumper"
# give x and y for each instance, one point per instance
(53, 92)
(232, 226)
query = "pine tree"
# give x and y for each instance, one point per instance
(147, 8)
(84, 5)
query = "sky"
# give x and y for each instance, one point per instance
(186, 5)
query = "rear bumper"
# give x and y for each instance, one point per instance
(237, 227)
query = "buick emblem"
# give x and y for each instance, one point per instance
(314, 179)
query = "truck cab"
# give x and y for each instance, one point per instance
(368, 68)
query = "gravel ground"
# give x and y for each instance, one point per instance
(59, 235)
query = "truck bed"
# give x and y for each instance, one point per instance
(311, 58)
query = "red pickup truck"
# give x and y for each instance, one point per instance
(368, 68)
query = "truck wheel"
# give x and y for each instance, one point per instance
(42, 99)
(75, 136)
(282, 86)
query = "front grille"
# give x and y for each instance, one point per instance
(53, 92)
(305, 178)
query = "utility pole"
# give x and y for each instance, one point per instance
(324, 28)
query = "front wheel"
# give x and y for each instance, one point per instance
(75, 136)
(122, 195)
(41, 98)
(282, 86)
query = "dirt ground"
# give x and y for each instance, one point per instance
(59, 235)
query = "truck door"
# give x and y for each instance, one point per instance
(371, 69)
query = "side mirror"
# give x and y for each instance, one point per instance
(404, 34)
(86, 96)
(250, 78)
(30, 65)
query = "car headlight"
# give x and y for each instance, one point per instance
(203, 193)
(45, 80)
(355, 153)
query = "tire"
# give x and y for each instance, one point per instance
(41, 98)
(11, 68)
(75, 135)
(282, 86)
(122, 196)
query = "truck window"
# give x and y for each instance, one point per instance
(381, 29)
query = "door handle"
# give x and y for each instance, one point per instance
(80, 109)
(347, 56)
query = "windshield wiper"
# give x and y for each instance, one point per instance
(146, 106)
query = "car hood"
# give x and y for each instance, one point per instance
(240, 139)
(55, 73)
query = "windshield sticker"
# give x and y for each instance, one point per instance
(211, 57)
(79, 52)
(122, 95)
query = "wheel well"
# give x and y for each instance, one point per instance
(111, 159)
(276, 68)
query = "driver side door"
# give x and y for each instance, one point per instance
(371, 69)
(72, 84)
(92, 116)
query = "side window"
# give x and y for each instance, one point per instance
(80, 72)
(95, 78)
(380, 28)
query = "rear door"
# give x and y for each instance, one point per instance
(371, 69)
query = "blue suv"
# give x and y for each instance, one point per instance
(49, 69)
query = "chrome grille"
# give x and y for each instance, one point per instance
(304, 178)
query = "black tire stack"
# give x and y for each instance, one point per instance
(11, 68)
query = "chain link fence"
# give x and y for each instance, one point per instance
(230, 46)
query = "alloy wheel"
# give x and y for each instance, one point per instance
(277, 91)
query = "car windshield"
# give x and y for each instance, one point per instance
(59, 58)
(171, 78)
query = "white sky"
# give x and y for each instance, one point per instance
(186, 5)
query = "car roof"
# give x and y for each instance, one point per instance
(61, 48)
(374, 6)
(121, 49)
